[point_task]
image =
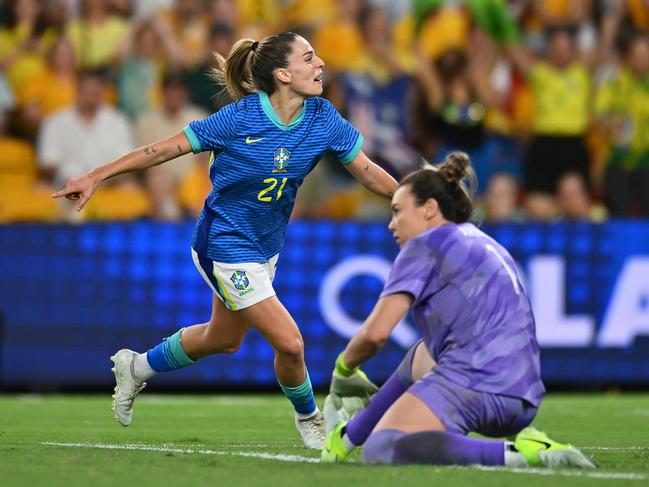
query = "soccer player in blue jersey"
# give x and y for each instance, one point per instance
(262, 146)
(477, 367)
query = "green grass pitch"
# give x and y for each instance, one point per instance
(243, 440)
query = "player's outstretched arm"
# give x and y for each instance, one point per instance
(350, 388)
(372, 176)
(371, 337)
(83, 186)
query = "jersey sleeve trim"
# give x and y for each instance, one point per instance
(351, 155)
(193, 140)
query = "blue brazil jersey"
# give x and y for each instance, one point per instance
(257, 164)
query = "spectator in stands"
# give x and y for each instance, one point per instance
(561, 86)
(175, 113)
(122, 8)
(204, 90)
(224, 12)
(637, 14)
(189, 25)
(146, 49)
(308, 15)
(537, 16)
(51, 90)
(500, 201)
(375, 96)
(443, 25)
(23, 39)
(455, 94)
(574, 201)
(340, 42)
(622, 106)
(96, 34)
(259, 17)
(79, 138)
(560, 81)
(56, 14)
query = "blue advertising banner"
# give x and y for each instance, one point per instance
(70, 296)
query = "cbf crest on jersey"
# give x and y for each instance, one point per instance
(281, 159)
(240, 280)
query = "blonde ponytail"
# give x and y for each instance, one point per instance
(251, 65)
(235, 72)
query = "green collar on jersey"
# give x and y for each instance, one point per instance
(270, 112)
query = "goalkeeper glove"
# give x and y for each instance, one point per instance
(338, 409)
(346, 382)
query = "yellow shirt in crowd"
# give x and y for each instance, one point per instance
(310, 12)
(192, 35)
(95, 44)
(561, 99)
(340, 45)
(48, 91)
(28, 63)
(627, 96)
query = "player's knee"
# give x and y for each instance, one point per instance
(228, 347)
(220, 344)
(291, 349)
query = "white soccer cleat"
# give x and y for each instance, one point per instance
(127, 386)
(311, 430)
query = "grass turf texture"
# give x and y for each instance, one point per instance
(221, 440)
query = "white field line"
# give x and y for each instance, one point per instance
(139, 447)
(225, 400)
(615, 448)
(298, 458)
(566, 473)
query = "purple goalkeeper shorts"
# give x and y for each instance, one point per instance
(463, 410)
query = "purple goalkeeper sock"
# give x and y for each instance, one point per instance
(362, 424)
(442, 448)
(379, 447)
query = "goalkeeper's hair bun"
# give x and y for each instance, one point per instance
(452, 184)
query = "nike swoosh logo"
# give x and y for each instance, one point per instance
(252, 141)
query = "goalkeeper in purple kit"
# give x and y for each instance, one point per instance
(477, 366)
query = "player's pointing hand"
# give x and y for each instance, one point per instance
(78, 188)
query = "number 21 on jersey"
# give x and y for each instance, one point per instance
(272, 183)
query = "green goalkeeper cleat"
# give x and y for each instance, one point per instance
(541, 451)
(334, 450)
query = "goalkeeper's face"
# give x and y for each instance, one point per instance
(408, 218)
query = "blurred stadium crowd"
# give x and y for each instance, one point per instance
(550, 98)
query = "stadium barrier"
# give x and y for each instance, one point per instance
(72, 295)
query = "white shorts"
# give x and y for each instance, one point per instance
(241, 285)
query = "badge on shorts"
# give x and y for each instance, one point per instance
(240, 280)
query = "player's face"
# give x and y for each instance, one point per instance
(408, 219)
(305, 69)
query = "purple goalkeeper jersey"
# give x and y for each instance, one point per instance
(471, 310)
